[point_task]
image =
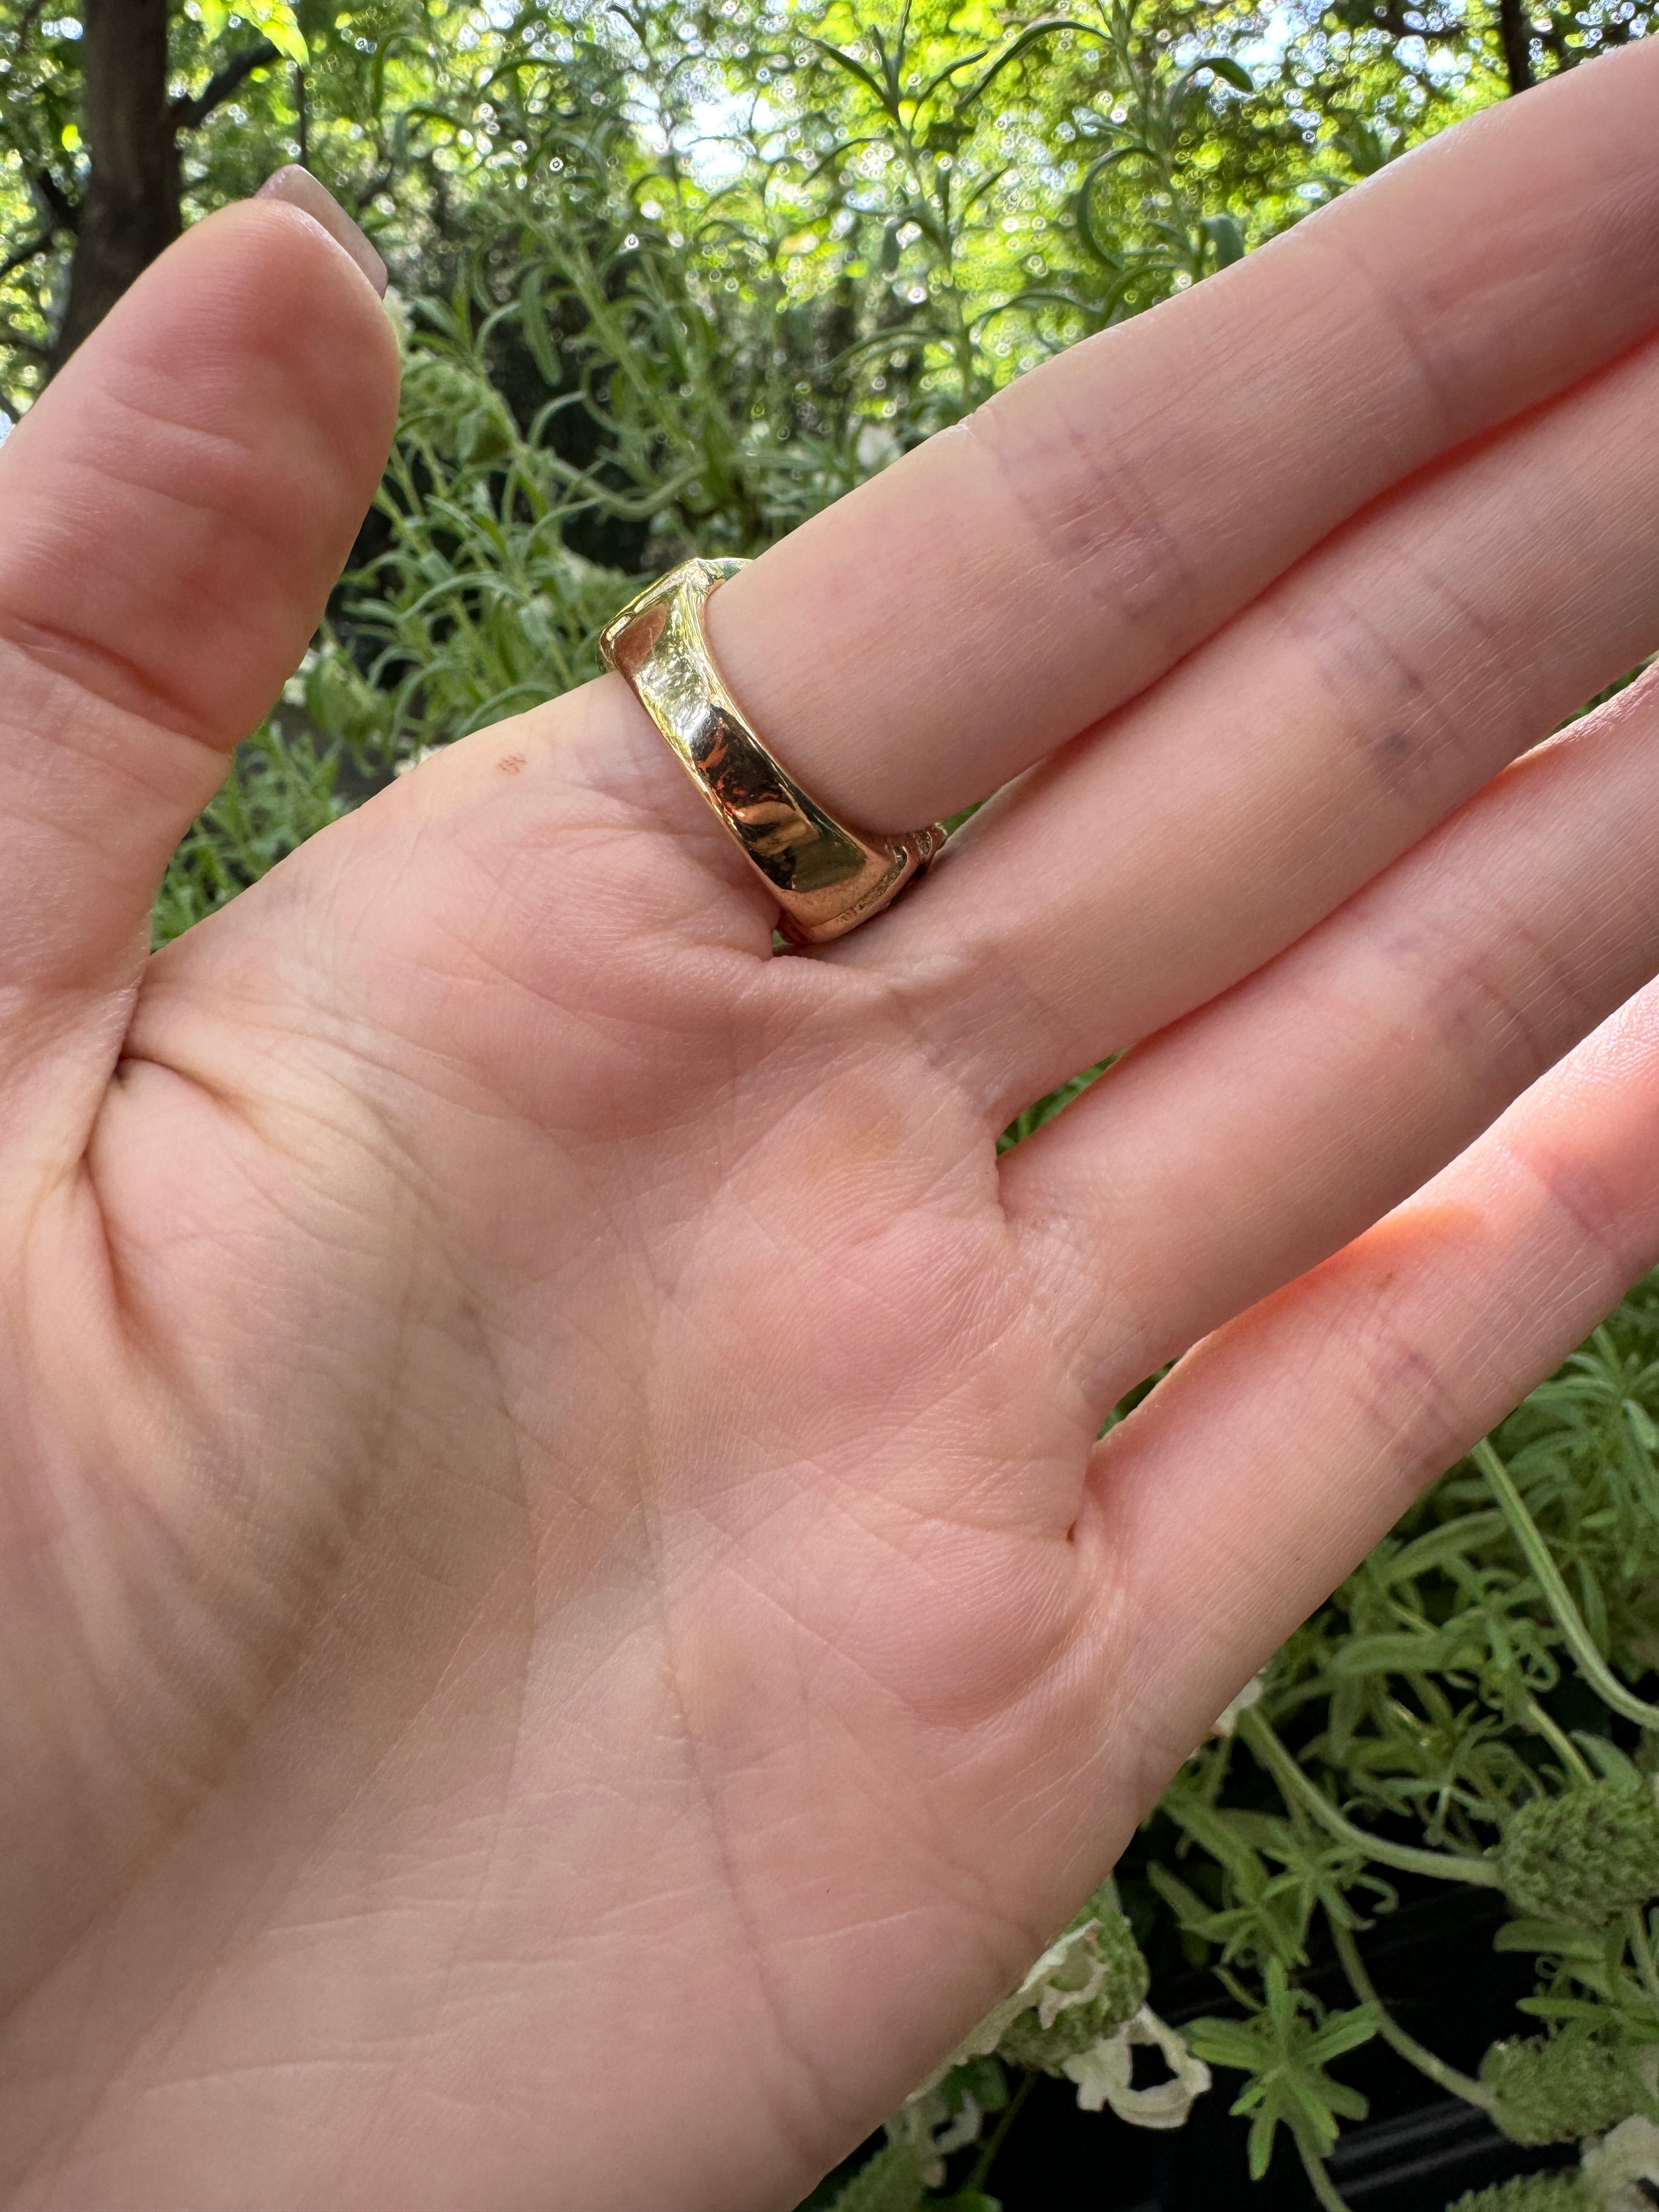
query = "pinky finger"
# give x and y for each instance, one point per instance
(1283, 1447)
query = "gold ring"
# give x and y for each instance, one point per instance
(826, 877)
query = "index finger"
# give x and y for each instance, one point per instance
(1008, 583)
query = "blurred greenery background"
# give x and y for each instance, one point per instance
(671, 278)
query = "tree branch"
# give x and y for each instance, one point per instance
(1515, 34)
(28, 251)
(62, 212)
(61, 215)
(185, 114)
(19, 344)
(25, 23)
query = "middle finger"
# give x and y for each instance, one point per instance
(1212, 821)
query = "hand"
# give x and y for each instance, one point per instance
(565, 1628)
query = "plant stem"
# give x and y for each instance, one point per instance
(988, 2156)
(1414, 2053)
(1567, 1617)
(1443, 1866)
(1323, 2187)
(1559, 1740)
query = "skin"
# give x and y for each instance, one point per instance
(565, 1630)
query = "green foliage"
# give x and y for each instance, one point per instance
(1278, 1874)
(891, 2181)
(1448, 1693)
(937, 2120)
(280, 791)
(1556, 2089)
(274, 20)
(960, 186)
(1529, 2192)
(1283, 2048)
(369, 94)
(1587, 1856)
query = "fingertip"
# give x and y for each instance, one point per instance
(262, 286)
(181, 498)
(297, 188)
(255, 293)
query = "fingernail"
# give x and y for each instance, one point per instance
(302, 190)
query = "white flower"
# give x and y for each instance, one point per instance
(1071, 1954)
(1105, 2075)
(1246, 1697)
(1094, 1969)
(1616, 2168)
(926, 2122)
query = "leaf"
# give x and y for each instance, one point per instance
(1227, 2043)
(1284, 2049)
(1451, 1538)
(1263, 2128)
(275, 18)
(1188, 1907)
(532, 321)
(855, 68)
(1225, 1835)
(1028, 37)
(1233, 72)
(1220, 65)
(1343, 2031)
(944, 76)
(1549, 1936)
(1406, 1653)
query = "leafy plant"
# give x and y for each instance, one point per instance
(1529, 2192)
(1284, 2049)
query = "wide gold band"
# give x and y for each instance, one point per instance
(826, 877)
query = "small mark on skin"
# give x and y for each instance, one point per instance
(510, 763)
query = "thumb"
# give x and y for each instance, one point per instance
(173, 511)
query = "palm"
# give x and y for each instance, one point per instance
(804, 1594)
(568, 1628)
